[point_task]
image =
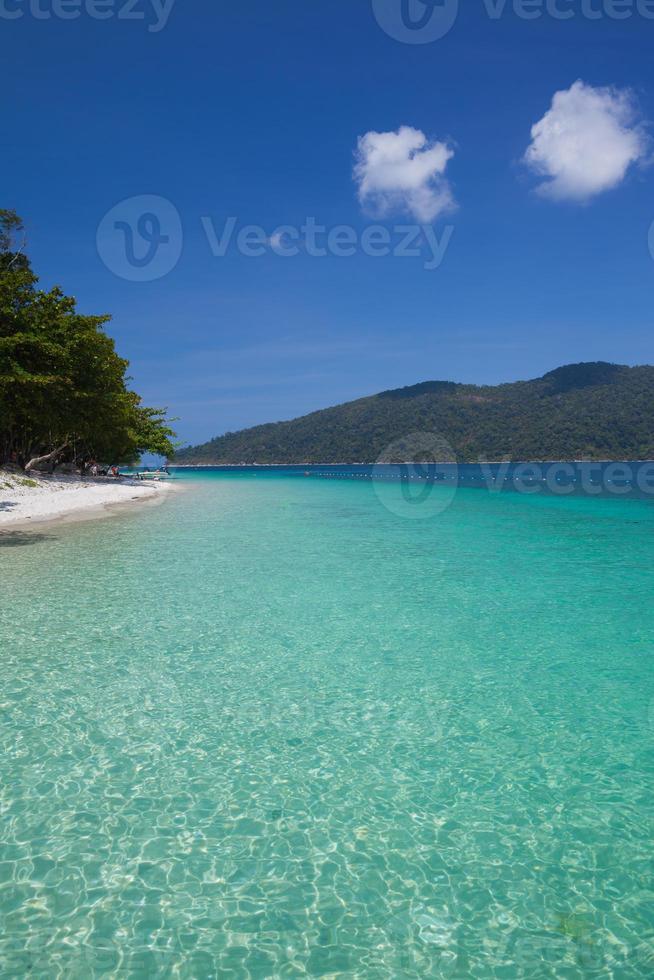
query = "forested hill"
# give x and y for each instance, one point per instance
(591, 411)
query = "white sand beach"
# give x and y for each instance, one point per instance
(35, 499)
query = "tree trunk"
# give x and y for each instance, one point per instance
(37, 460)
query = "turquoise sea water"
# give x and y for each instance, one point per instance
(279, 727)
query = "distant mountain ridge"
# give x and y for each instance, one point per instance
(592, 410)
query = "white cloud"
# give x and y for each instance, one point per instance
(586, 142)
(403, 171)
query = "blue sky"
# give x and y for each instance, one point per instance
(254, 110)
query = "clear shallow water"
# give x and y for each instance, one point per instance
(273, 728)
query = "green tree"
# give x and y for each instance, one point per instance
(63, 387)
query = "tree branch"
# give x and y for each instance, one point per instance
(49, 457)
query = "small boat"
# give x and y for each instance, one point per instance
(153, 475)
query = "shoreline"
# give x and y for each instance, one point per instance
(36, 500)
(408, 462)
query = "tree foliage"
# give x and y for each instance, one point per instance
(62, 384)
(582, 411)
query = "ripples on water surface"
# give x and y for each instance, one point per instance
(273, 729)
